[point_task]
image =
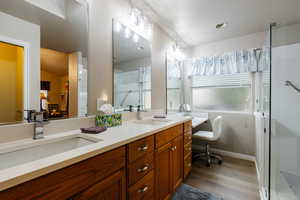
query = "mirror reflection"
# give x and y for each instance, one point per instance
(11, 82)
(132, 69)
(59, 29)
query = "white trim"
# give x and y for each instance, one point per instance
(223, 111)
(261, 189)
(26, 47)
(234, 155)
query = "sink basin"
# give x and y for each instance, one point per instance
(43, 148)
(152, 121)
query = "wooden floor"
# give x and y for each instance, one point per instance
(234, 180)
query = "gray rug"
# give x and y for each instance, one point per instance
(187, 192)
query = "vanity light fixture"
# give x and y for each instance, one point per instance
(135, 38)
(127, 33)
(118, 27)
(175, 53)
(141, 22)
(221, 25)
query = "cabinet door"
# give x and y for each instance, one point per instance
(163, 172)
(111, 188)
(177, 164)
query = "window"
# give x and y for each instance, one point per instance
(222, 92)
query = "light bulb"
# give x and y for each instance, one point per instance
(136, 38)
(118, 27)
(127, 33)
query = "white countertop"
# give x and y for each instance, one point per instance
(112, 138)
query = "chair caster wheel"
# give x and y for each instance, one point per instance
(220, 162)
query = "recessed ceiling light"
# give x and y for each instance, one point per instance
(221, 25)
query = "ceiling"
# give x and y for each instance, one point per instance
(192, 22)
(67, 34)
(54, 62)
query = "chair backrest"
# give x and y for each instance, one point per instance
(217, 127)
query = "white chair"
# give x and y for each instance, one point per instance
(208, 137)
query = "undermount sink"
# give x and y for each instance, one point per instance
(153, 121)
(39, 149)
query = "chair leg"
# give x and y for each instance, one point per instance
(217, 158)
(208, 155)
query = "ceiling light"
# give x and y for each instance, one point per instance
(221, 25)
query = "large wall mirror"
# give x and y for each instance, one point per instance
(43, 58)
(132, 68)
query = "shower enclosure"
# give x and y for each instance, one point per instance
(279, 103)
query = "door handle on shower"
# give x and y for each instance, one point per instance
(289, 83)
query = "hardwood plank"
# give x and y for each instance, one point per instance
(235, 179)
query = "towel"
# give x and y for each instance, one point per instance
(93, 130)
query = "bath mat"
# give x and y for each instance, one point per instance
(187, 192)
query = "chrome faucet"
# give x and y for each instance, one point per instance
(38, 119)
(138, 113)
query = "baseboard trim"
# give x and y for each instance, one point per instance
(234, 155)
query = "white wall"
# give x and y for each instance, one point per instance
(237, 134)
(255, 40)
(21, 30)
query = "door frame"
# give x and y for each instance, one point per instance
(26, 75)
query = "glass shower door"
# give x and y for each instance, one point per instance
(285, 110)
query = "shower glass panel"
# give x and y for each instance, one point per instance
(285, 109)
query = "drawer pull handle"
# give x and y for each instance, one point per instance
(189, 164)
(143, 148)
(174, 148)
(144, 168)
(143, 189)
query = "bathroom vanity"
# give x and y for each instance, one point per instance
(150, 164)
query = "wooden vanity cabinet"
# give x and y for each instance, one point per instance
(147, 169)
(140, 169)
(169, 162)
(187, 148)
(111, 188)
(163, 181)
(99, 177)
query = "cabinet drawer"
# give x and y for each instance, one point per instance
(144, 189)
(66, 182)
(188, 126)
(166, 136)
(187, 165)
(187, 149)
(140, 168)
(187, 137)
(140, 148)
(112, 187)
